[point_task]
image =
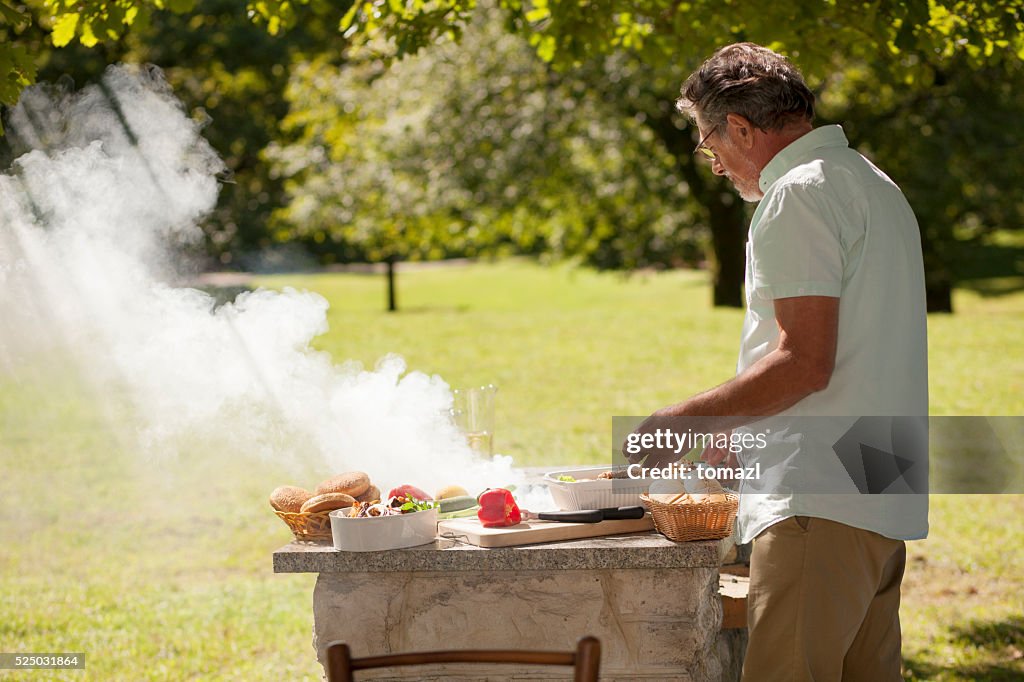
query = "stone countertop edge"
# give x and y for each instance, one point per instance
(638, 550)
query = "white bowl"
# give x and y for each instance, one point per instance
(378, 533)
(594, 494)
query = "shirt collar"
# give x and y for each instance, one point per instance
(799, 150)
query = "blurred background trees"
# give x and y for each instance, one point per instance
(388, 132)
(940, 129)
(475, 148)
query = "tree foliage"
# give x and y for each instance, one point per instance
(477, 165)
(570, 32)
(895, 45)
(88, 22)
(508, 155)
(942, 133)
(234, 72)
(17, 66)
(228, 70)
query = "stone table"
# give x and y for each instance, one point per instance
(653, 603)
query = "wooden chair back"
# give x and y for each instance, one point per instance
(585, 661)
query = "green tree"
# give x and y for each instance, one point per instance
(235, 73)
(17, 65)
(509, 155)
(352, 175)
(884, 43)
(888, 38)
(941, 128)
(226, 69)
(88, 22)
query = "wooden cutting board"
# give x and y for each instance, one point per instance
(529, 532)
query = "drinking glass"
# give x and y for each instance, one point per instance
(473, 412)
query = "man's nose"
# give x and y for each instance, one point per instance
(717, 168)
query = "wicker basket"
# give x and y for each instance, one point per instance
(694, 521)
(308, 525)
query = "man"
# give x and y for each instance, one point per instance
(835, 327)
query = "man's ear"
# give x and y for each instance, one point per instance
(741, 131)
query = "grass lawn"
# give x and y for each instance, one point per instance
(161, 570)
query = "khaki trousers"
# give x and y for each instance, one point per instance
(823, 604)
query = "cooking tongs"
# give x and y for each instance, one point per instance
(588, 515)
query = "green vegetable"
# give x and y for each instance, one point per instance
(413, 505)
(567, 478)
(461, 514)
(454, 504)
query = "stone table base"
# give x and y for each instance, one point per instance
(659, 624)
(653, 604)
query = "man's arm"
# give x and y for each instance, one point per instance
(801, 364)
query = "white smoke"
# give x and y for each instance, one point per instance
(110, 181)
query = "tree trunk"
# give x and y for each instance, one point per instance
(727, 222)
(938, 283)
(939, 297)
(728, 243)
(392, 303)
(938, 279)
(726, 216)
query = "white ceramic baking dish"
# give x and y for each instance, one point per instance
(596, 493)
(379, 533)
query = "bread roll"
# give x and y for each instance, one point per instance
(706, 486)
(666, 486)
(289, 498)
(328, 502)
(709, 497)
(372, 494)
(670, 498)
(353, 483)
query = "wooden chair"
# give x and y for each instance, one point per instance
(585, 661)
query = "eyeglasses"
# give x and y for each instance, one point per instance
(706, 151)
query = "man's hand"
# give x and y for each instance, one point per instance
(667, 436)
(652, 457)
(801, 364)
(716, 456)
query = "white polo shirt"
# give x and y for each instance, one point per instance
(832, 224)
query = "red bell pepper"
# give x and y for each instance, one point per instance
(498, 508)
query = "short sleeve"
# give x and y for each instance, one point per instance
(796, 249)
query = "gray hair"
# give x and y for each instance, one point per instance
(749, 80)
